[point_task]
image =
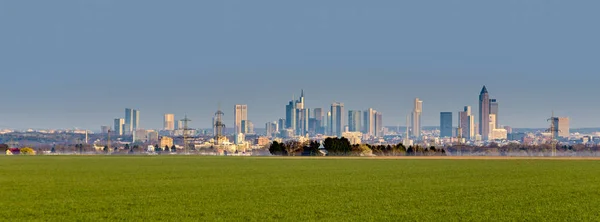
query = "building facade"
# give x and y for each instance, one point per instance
(240, 114)
(416, 118)
(484, 114)
(337, 119)
(446, 124)
(169, 122)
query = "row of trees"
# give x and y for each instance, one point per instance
(342, 147)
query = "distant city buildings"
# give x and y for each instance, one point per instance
(169, 122)
(354, 121)
(561, 126)
(337, 119)
(119, 126)
(240, 114)
(446, 124)
(466, 122)
(416, 118)
(484, 114)
(132, 120)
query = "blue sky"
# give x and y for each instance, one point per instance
(79, 63)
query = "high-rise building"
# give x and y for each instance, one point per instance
(179, 125)
(105, 129)
(135, 122)
(169, 122)
(378, 124)
(561, 126)
(466, 122)
(327, 124)
(494, 110)
(446, 124)
(337, 119)
(484, 114)
(369, 122)
(297, 116)
(240, 114)
(119, 126)
(416, 118)
(271, 129)
(128, 121)
(354, 121)
(281, 125)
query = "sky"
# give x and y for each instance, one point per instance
(73, 63)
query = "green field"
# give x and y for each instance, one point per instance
(69, 188)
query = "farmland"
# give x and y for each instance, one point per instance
(261, 188)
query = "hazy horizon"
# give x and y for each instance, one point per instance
(68, 64)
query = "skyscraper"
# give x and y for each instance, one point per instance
(318, 115)
(446, 124)
(484, 114)
(297, 116)
(136, 120)
(561, 126)
(369, 122)
(240, 114)
(378, 124)
(416, 118)
(271, 129)
(327, 124)
(466, 123)
(119, 126)
(354, 121)
(128, 121)
(337, 119)
(494, 110)
(169, 122)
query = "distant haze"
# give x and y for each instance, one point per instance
(71, 64)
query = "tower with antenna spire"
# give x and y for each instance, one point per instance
(297, 115)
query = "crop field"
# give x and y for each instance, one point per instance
(193, 188)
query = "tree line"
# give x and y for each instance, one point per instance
(343, 147)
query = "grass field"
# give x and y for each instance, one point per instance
(69, 188)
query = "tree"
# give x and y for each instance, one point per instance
(173, 149)
(3, 148)
(312, 148)
(276, 148)
(27, 151)
(291, 147)
(105, 149)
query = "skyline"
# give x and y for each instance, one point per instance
(71, 65)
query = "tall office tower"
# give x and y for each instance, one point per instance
(416, 118)
(492, 122)
(466, 123)
(484, 114)
(446, 124)
(354, 121)
(378, 124)
(302, 121)
(240, 113)
(281, 125)
(290, 115)
(128, 121)
(369, 122)
(169, 124)
(561, 126)
(337, 119)
(318, 116)
(328, 124)
(247, 127)
(119, 126)
(135, 122)
(271, 129)
(494, 110)
(179, 125)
